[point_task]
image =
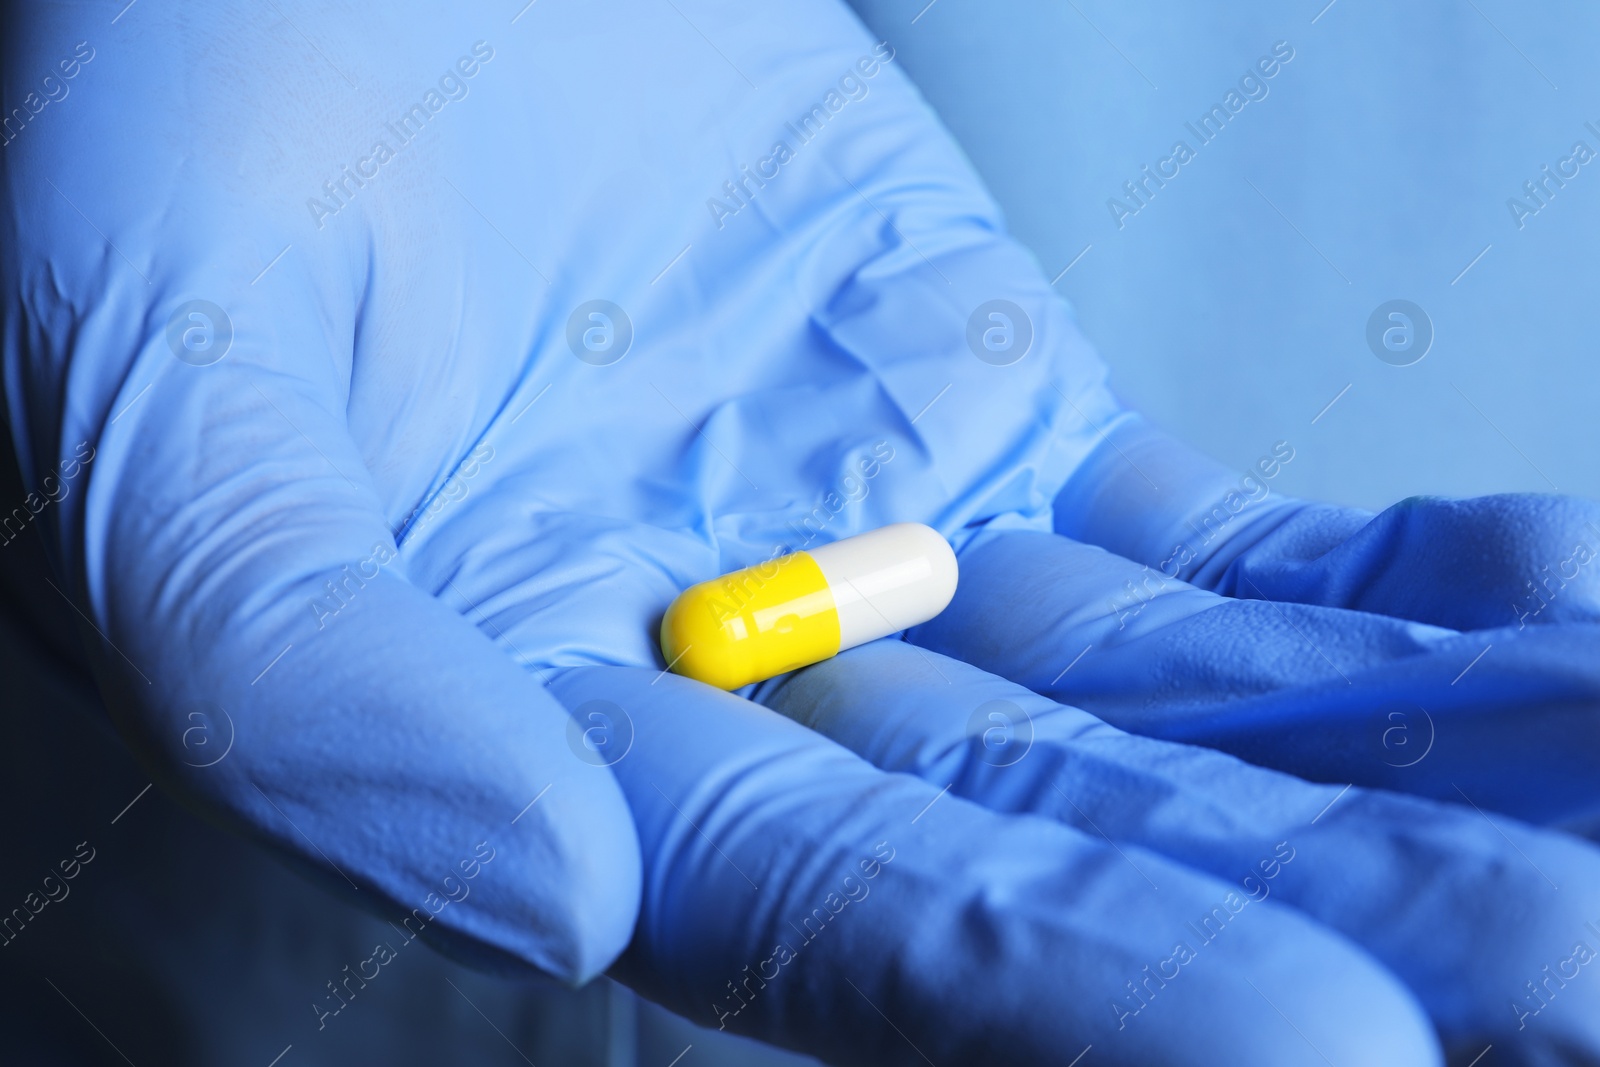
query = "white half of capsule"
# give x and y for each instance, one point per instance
(886, 580)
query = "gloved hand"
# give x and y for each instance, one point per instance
(513, 326)
(1319, 669)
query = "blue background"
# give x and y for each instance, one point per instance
(1392, 141)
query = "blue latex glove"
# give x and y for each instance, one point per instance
(1513, 560)
(422, 477)
(1380, 868)
(1320, 670)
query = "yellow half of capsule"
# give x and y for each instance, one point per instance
(752, 624)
